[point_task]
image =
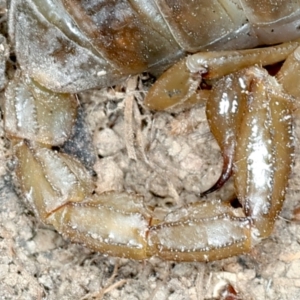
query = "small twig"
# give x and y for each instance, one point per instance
(109, 286)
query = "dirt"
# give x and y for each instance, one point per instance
(169, 159)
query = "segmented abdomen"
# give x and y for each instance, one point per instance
(74, 45)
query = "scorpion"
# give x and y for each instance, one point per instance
(67, 46)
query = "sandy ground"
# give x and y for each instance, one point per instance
(169, 159)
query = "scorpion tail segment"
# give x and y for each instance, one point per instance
(226, 173)
(201, 232)
(114, 224)
(225, 110)
(264, 152)
(32, 112)
(176, 87)
(49, 179)
(117, 224)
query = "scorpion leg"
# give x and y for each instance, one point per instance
(181, 83)
(264, 151)
(174, 87)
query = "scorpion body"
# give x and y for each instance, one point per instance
(66, 46)
(70, 46)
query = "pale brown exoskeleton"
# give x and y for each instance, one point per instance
(66, 46)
